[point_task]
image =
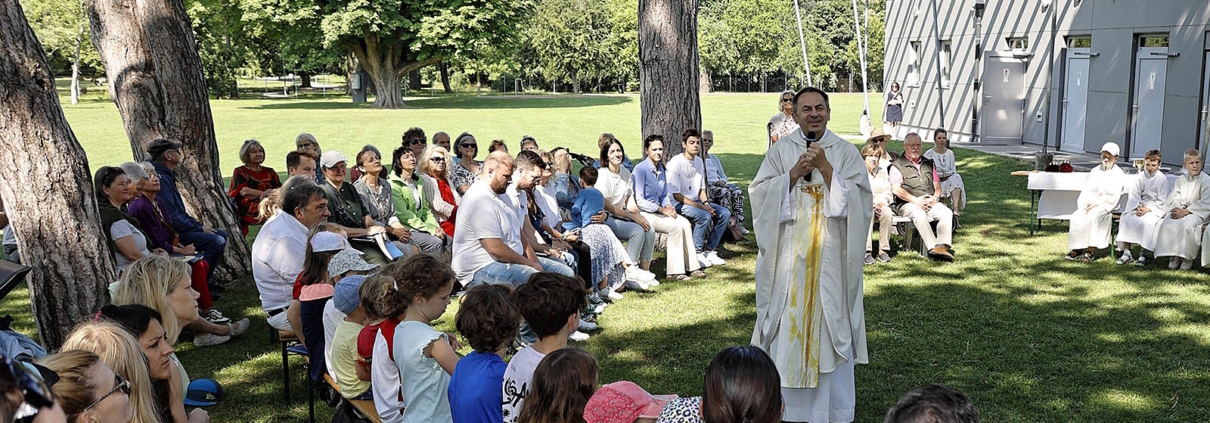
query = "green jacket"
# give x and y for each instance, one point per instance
(411, 215)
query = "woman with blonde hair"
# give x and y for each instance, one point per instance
(120, 352)
(88, 390)
(163, 283)
(251, 183)
(435, 164)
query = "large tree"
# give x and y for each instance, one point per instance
(391, 38)
(668, 73)
(44, 178)
(62, 28)
(151, 59)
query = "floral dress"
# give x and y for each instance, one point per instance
(247, 207)
(463, 176)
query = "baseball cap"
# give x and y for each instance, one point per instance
(1111, 148)
(623, 402)
(160, 145)
(203, 393)
(324, 242)
(331, 158)
(348, 260)
(347, 294)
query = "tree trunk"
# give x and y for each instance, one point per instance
(306, 80)
(414, 80)
(151, 60)
(668, 71)
(445, 78)
(55, 213)
(386, 67)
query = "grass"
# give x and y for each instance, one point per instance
(1030, 337)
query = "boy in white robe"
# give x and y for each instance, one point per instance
(1091, 223)
(1144, 210)
(1187, 207)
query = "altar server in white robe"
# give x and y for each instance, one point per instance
(1144, 210)
(1091, 223)
(812, 207)
(1180, 232)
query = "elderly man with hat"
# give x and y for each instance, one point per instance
(165, 157)
(347, 209)
(1091, 223)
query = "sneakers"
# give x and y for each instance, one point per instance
(1174, 263)
(213, 316)
(701, 258)
(238, 328)
(884, 257)
(210, 339)
(1125, 258)
(714, 259)
(614, 295)
(638, 274)
(1186, 264)
(595, 304)
(869, 258)
(578, 336)
(637, 285)
(586, 326)
(940, 253)
(1141, 262)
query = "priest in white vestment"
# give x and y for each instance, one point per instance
(1187, 208)
(1091, 222)
(1148, 192)
(812, 208)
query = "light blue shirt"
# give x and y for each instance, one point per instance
(651, 187)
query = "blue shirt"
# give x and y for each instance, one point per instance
(589, 202)
(170, 197)
(474, 392)
(651, 187)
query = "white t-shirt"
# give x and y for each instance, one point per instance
(685, 177)
(122, 229)
(493, 217)
(517, 378)
(615, 187)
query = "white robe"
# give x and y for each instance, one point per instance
(1092, 227)
(809, 300)
(1180, 237)
(1145, 190)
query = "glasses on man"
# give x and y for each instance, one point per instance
(119, 383)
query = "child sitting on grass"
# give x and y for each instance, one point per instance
(352, 378)
(550, 303)
(423, 354)
(563, 383)
(488, 321)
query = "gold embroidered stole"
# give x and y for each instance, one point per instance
(804, 308)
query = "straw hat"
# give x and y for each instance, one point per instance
(876, 134)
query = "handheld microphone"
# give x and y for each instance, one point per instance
(811, 138)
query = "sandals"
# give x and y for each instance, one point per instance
(680, 277)
(1073, 255)
(238, 328)
(1086, 258)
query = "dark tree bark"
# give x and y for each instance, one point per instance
(668, 70)
(414, 80)
(44, 176)
(306, 80)
(445, 78)
(151, 60)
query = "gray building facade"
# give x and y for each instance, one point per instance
(1133, 72)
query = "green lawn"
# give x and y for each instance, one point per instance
(1029, 336)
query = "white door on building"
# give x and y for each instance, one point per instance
(1075, 100)
(1003, 110)
(1150, 75)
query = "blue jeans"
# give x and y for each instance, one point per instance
(702, 222)
(516, 274)
(639, 243)
(211, 245)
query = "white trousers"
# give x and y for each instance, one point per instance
(682, 255)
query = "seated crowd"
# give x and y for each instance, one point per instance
(358, 265)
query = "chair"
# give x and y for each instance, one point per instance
(290, 344)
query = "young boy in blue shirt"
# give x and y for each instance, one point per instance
(489, 321)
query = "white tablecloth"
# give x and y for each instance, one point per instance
(1061, 190)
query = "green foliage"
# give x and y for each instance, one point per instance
(286, 36)
(57, 23)
(874, 51)
(222, 44)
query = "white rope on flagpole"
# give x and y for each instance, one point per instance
(802, 40)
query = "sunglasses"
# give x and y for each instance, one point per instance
(786, 100)
(437, 159)
(119, 383)
(469, 146)
(416, 142)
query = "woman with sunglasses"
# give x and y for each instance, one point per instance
(411, 206)
(88, 390)
(443, 199)
(783, 122)
(466, 172)
(120, 352)
(251, 183)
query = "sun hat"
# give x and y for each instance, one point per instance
(876, 134)
(324, 242)
(346, 297)
(623, 402)
(331, 158)
(203, 393)
(348, 260)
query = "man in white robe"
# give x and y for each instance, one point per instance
(1144, 210)
(812, 206)
(1091, 222)
(1181, 231)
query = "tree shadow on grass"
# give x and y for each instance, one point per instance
(457, 103)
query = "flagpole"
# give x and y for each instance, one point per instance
(802, 41)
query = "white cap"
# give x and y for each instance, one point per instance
(1111, 148)
(328, 241)
(331, 158)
